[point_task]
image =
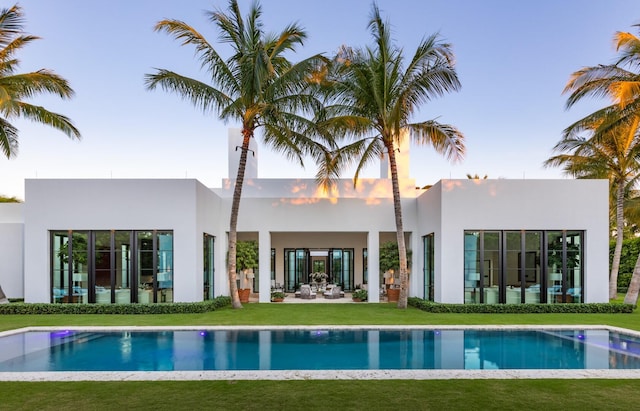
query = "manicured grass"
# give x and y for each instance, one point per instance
(321, 314)
(319, 395)
(324, 395)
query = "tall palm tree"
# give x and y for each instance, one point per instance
(609, 152)
(14, 87)
(256, 86)
(619, 83)
(374, 97)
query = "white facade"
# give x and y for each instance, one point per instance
(290, 214)
(11, 247)
(458, 205)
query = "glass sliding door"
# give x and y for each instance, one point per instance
(428, 264)
(121, 272)
(273, 267)
(365, 266)
(472, 288)
(347, 270)
(341, 268)
(555, 257)
(513, 267)
(164, 266)
(99, 266)
(296, 268)
(564, 262)
(523, 273)
(80, 267)
(60, 267)
(491, 267)
(70, 266)
(104, 265)
(574, 266)
(532, 266)
(209, 270)
(335, 266)
(482, 267)
(145, 263)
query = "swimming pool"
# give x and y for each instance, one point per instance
(374, 351)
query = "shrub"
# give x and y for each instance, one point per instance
(601, 308)
(624, 279)
(171, 308)
(360, 294)
(628, 258)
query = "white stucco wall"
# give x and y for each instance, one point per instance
(521, 205)
(429, 213)
(11, 255)
(211, 219)
(294, 213)
(76, 204)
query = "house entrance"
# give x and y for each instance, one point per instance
(300, 263)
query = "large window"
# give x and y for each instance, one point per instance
(296, 270)
(341, 267)
(428, 259)
(209, 269)
(300, 262)
(564, 263)
(69, 267)
(365, 266)
(105, 266)
(516, 267)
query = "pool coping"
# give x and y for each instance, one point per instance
(318, 374)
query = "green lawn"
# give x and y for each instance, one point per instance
(317, 395)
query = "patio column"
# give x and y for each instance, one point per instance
(373, 266)
(264, 266)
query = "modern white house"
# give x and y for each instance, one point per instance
(159, 240)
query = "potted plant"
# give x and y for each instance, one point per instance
(277, 296)
(319, 278)
(359, 295)
(246, 262)
(389, 265)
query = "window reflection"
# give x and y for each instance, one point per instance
(534, 267)
(97, 266)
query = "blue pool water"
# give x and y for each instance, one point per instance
(318, 349)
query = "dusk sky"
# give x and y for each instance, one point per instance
(513, 59)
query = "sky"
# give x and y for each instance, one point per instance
(513, 59)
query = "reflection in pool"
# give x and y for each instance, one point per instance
(318, 349)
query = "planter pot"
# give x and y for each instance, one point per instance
(277, 300)
(393, 294)
(243, 293)
(357, 300)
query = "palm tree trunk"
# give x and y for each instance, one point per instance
(632, 293)
(615, 264)
(397, 209)
(247, 133)
(3, 298)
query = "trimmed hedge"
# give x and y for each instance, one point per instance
(591, 308)
(171, 308)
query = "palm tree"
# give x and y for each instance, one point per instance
(256, 86)
(3, 298)
(609, 152)
(14, 88)
(374, 97)
(6, 199)
(620, 85)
